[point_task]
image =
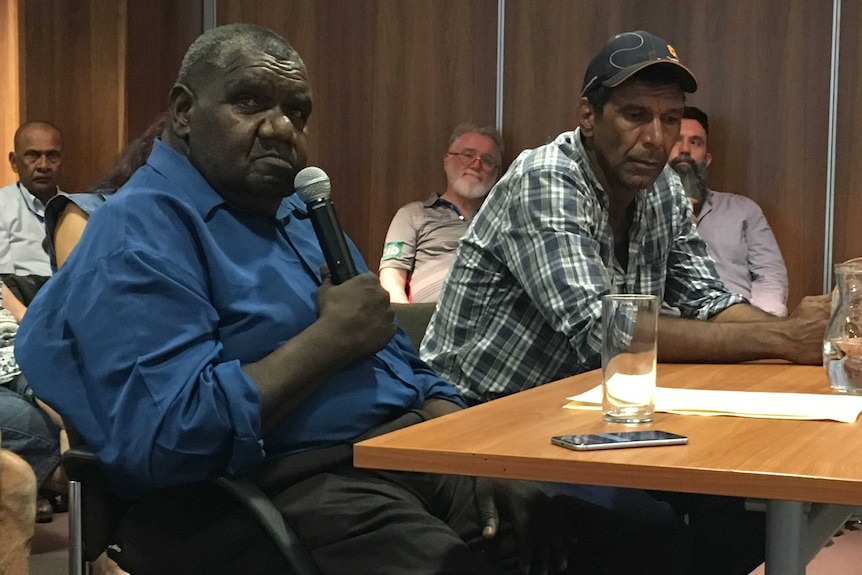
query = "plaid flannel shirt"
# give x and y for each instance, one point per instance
(522, 303)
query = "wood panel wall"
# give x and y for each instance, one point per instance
(847, 236)
(767, 114)
(100, 70)
(158, 35)
(391, 79)
(72, 69)
(8, 85)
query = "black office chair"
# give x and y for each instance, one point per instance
(95, 512)
(413, 318)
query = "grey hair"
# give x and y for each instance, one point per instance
(471, 128)
(213, 48)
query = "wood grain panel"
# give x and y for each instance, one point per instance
(847, 240)
(159, 33)
(768, 113)
(8, 85)
(71, 74)
(391, 80)
(737, 456)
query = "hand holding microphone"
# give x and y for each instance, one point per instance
(362, 315)
(312, 186)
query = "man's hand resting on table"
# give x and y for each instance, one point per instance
(808, 327)
(542, 523)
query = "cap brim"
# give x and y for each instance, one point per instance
(686, 77)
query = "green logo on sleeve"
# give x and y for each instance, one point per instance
(392, 250)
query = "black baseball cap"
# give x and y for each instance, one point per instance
(631, 52)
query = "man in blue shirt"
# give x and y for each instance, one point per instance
(192, 333)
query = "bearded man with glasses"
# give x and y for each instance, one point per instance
(423, 236)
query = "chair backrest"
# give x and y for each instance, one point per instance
(413, 318)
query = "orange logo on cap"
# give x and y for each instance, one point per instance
(672, 52)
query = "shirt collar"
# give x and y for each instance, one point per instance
(167, 161)
(579, 155)
(292, 205)
(707, 205)
(34, 204)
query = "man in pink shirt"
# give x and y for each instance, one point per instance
(734, 228)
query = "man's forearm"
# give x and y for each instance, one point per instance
(394, 281)
(12, 304)
(732, 341)
(355, 321)
(436, 407)
(289, 374)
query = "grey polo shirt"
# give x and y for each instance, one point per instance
(422, 239)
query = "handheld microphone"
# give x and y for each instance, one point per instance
(312, 186)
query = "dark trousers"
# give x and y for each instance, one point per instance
(352, 521)
(718, 536)
(358, 521)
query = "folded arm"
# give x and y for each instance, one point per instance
(12, 304)
(355, 321)
(745, 333)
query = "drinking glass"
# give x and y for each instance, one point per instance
(629, 330)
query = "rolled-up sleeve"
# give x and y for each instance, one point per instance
(140, 342)
(399, 248)
(552, 251)
(693, 285)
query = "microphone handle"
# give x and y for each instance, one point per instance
(332, 241)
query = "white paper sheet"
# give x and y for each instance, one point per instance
(844, 408)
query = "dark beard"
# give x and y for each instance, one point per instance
(693, 178)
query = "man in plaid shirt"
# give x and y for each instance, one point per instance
(598, 211)
(594, 212)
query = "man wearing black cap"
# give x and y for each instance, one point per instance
(597, 211)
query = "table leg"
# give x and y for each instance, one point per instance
(796, 531)
(785, 534)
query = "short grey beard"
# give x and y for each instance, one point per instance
(475, 191)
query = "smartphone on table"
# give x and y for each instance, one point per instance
(618, 439)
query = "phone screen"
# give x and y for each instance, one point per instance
(611, 440)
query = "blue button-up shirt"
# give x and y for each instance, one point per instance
(139, 339)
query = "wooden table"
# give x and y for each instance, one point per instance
(794, 465)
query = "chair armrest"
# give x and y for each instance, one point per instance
(271, 520)
(101, 507)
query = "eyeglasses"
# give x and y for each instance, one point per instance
(468, 156)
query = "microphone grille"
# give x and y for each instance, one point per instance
(312, 184)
